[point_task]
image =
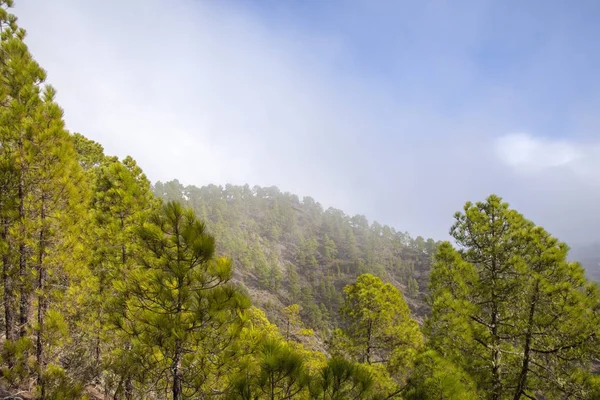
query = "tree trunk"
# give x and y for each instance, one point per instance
(97, 338)
(176, 373)
(9, 298)
(128, 388)
(42, 306)
(24, 292)
(496, 383)
(369, 338)
(522, 382)
(176, 366)
(98, 330)
(495, 319)
(127, 380)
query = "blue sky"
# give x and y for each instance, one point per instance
(397, 110)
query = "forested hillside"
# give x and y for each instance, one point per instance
(289, 250)
(109, 291)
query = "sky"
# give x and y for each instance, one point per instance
(398, 110)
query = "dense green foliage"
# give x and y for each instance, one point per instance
(377, 327)
(435, 377)
(109, 291)
(510, 309)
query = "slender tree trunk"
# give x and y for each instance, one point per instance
(368, 350)
(125, 385)
(123, 247)
(42, 305)
(9, 297)
(128, 387)
(522, 382)
(97, 352)
(117, 394)
(97, 334)
(176, 366)
(24, 292)
(176, 373)
(496, 388)
(40, 355)
(496, 379)
(127, 380)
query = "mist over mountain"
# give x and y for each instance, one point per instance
(396, 111)
(589, 257)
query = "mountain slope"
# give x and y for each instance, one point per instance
(288, 250)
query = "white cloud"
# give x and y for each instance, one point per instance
(207, 92)
(526, 153)
(200, 91)
(523, 151)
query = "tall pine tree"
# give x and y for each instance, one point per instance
(179, 307)
(510, 309)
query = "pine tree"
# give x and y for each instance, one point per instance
(274, 274)
(179, 306)
(282, 375)
(292, 280)
(21, 84)
(122, 201)
(261, 267)
(377, 326)
(293, 323)
(90, 154)
(59, 196)
(330, 249)
(413, 287)
(43, 192)
(509, 308)
(274, 277)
